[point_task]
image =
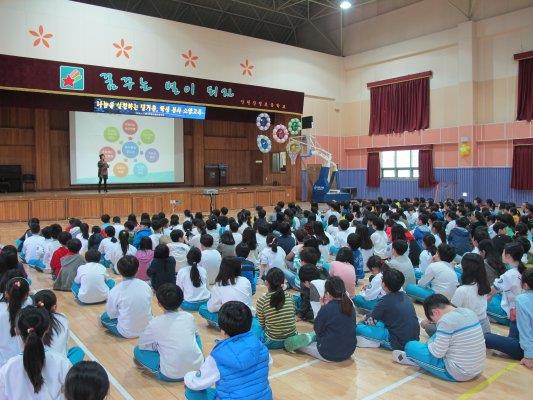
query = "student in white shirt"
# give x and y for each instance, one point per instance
(379, 238)
(120, 249)
(56, 338)
(234, 228)
(439, 277)
(158, 232)
(170, 347)
(117, 225)
(15, 297)
(229, 285)
(400, 261)
(52, 245)
(83, 237)
(370, 294)
(341, 239)
(192, 280)
(502, 297)
(33, 247)
(333, 227)
(260, 236)
(106, 245)
(426, 256)
(46, 376)
(178, 248)
(474, 288)
(84, 379)
(271, 256)
(212, 229)
(92, 283)
(129, 304)
(211, 259)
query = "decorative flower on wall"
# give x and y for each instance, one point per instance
(41, 37)
(190, 59)
(247, 68)
(122, 48)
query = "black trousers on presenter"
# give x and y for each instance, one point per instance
(100, 179)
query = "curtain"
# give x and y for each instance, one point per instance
(525, 90)
(373, 170)
(522, 173)
(425, 169)
(399, 107)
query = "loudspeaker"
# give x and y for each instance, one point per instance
(307, 122)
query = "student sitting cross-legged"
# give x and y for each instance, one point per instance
(393, 322)
(333, 338)
(457, 350)
(238, 365)
(129, 304)
(369, 296)
(192, 280)
(86, 380)
(439, 277)
(275, 311)
(307, 303)
(92, 283)
(69, 266)
(170, 347)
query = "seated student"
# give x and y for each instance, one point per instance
(459, 237)
(211, 259)
(51, 245)
(457, 351)
(15, 297)
(505, 289)
(379, 238)
(145, 256)
(69, 266)
(120, 249)
(238, 364)
(247, 267)
(271, 256)
(144, 231)
(426, 256)
(344, 269)
(87, 380)
(325, 241)
(422, 229)
(95, 239)
(501, 238)
(57, 336)
(9, 262)
(162, 268)
(192, 280)
(370, 294)
(519, 343)
(129, 304)
(393, 322)
(286, 240)
(117, 225)
(312, 290)
(333, 337)
(170, 347)
(358, 260)
(178, 248)
(157, 229)
(92, 283)
(400, 261)
(20, 241)
(275, 311)
(323, 262)
(263, 229)
(83, 237)
(494, 265)
(105, 218)
(33, 248)
(226, 245)
(34, 373)
(341, 238)
(229, 285)
(106, 245)
(211, 228)
(474, 288)
(55, 262)
(439, 277)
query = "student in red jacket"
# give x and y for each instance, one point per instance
(55, 262)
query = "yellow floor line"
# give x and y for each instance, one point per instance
(491, 379)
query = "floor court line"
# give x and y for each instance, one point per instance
(112, 379)
(487, 382)
(298, 367)
(392, 386)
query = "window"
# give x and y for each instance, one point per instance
(279, 162)
(399, 164)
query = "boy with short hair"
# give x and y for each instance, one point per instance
(211, 258)
(117, 225)
(400, 260)
(501, 239)
(379, 238)
(69, 266)
(55, 262)
(170, 347)
(145, 230)
(238, 365)
(422, 229)
(92, 283)
(456, 352)
(247, 267)
(129, 304)
(439, 277)
(459, 237)
(33, 247)
(393, 321)
(311, 291)
(105, 218)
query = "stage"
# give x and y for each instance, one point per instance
(59, 205)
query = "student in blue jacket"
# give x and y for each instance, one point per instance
(144, 231)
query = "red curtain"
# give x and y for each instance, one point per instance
(399, 107)
(425, 169)
(522, 175)
(373, 170)
(525, 90)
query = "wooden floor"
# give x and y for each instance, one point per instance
(369, 375)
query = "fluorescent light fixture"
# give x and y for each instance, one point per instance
(345, 4)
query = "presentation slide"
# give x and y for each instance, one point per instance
(138, 149)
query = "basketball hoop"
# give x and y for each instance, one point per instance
(293, 157)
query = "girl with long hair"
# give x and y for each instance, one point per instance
(192, 279)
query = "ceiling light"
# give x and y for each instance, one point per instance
(345, 4)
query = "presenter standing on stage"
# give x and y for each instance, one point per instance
(103, 166)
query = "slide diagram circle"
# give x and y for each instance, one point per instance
(111, 134)
(130, 126)
(147, 136)
(151, 155)
(140, 170)
(130, 149)
(109, 153)
(120, 170)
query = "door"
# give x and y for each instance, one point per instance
(256, 168)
